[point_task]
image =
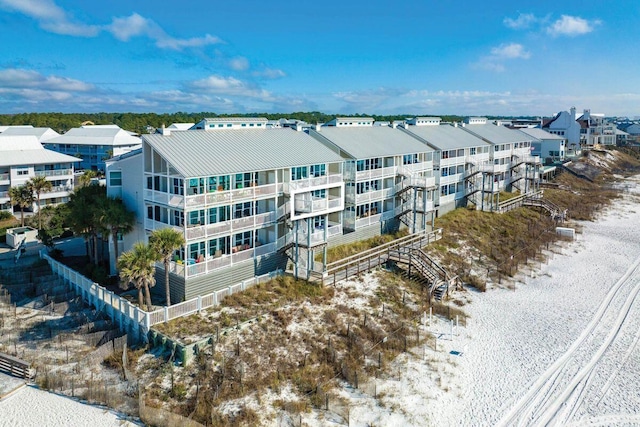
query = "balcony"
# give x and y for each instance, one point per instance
(313, 205)
(4, 195)
(54, 172)
(4, 178)
(375, 173)
(226, 227)
(229, 196)
(303, 239)
(313, 182)
(58, 191)
(160, 197)
(151, 225)
(368, 220)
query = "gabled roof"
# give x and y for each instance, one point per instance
(26, 150)
(446, 137)
(496, 134)
(540, 134)
(43, 134)
(96, 135)
(181, 126)
(198, 153)
(373, 141)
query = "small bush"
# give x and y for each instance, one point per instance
(4, 215)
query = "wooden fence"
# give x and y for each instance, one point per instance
(14, 366)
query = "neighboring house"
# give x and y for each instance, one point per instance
(246, 198)
(595, 130)
(180, 126)
(94, 144)
(42, 134)
(549, 147)
(564, 124)
(632, 129)
(459, 157)
(388, 176)
(22, 158)
(512, 165)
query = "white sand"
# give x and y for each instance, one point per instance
(31, 406)
(559, 350)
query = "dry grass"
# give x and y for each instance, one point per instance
(343, 251)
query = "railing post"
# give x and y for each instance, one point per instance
(199, 303)
(166, 314)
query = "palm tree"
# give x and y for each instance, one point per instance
(85, 179)
(137, 266)
(117, 220)
(165, 241)
(38, 185)
(85, 211)
(23, 197)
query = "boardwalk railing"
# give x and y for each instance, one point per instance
(14, 366)
(363, 261)
(133, 319)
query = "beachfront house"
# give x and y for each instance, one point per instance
(549, 147)
(22, 157)
(595, 130)
(93, 144)
(511, 165)
(248, 200)
(459, 157)
(388, 176)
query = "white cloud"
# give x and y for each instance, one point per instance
(239, 63)
(28, 79)
(495, 60)
(522, 22)
(125, 28)
(571, 26)
(216, 84)
(510, 51)
(270, 73)
(50, 17)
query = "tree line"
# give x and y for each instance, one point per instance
(138, 122)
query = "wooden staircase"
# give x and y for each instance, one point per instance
(420, 266)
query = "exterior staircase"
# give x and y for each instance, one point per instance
(422, 267)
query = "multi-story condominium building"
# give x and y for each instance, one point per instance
(42, 134)
(22, 158)
(549, 147)
(248, 199)
(94, 144)
(388, 176)
(511, 165)
(459, 157)
(594, 129)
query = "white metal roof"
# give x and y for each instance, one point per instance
(371, 141)
(26, 150)
(540, 134)
(198, 153)
(446, 137)
(43, 134)
(96, 135)
(496, 134)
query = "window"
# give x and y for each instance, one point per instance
(320, 194)
(408, 159)
(318, 170)
(318, 222)
(196, 186)
(195, 250)
(241, 210)
(196, 218)
(445, 154)
(472, 151)
(299, 173)
(219, 183)
(220, 246)
(219, 214)
(244, 180)
(178, 186)
(115, 178)
(244, 125)
(243, 241)
(178, 218)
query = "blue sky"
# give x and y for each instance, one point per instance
(373, 57)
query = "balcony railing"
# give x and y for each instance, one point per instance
(54, 172)
(238, 224)
(174, 200)
(4, 194)
(368, 220)
(317, 181)
(58, 189)
(4, 177)
(150, 224)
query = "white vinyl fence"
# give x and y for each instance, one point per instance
(133, 319)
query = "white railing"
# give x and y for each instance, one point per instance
(121, 311)
(334, 230)
(57, 189)
(175, 200)
(208, 230)
(150, 224)
(4, 195)
(368, 220)
(199, 303)
(54, 172)
(4, 177)
(227, 196)
(316, 181)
